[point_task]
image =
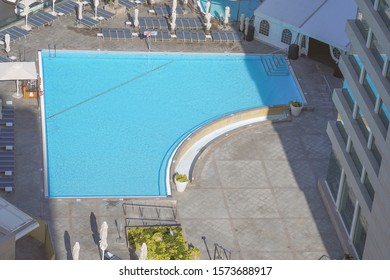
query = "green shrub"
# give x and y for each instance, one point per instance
(296, 103)
(163, 243)
(181, 177)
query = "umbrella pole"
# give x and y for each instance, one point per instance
(102, 255)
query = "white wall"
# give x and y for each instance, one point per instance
(275, 32)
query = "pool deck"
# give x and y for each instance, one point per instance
(255, 191)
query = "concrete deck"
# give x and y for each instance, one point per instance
(254, 192)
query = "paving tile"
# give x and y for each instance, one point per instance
(251, 203)
(316, 146)
(217, 231)
(295, 203)
(261, 234)
(207, 175)
(242, 174)
(264, 255)
(201, 204)
(308, 236)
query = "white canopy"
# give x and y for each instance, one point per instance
(14, 220)
(11, 71)
(323, 20)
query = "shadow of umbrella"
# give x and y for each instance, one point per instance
(68, 247)
(94, 228)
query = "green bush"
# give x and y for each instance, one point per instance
(163, 243)
(181, 178)
(296, 103)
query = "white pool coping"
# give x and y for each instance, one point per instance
(185, 164)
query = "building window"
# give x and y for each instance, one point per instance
(341, 128)
(356, 64)
(347, 205)
(333, 176)
(375, 152)
(370, 89)
(384, 11)
(264, 27)
(356, 160)
(377, 51)
(369, 188)
(384, 115)
(349, 98)
(363, 124)
(286, 36)
(360, 234)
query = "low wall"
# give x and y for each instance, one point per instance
(189, 149)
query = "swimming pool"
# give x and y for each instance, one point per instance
(237, 7)
(114, 119)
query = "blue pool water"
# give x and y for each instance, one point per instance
(114, 119)
(237, 7)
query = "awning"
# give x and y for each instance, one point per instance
(323, 20)
(12, 71)
(14, 220)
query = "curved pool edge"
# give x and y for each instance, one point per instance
(187, 151)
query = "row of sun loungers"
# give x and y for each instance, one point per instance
(14, 32)
(116, 33)
(192, 36)
(166, 10)
(7, 140)
(40, 19)
(65, 8)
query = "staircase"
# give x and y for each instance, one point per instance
(275, 65)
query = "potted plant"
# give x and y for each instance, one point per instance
(296, 107)
(181, 182)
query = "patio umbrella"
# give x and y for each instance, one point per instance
(95, 6)
(80, 11)
(26, 11)
(103, 238)
(242, 22)
(144, 252)
(173, 22)
(136, 21)
(246, 26)
(208, 21)
(174, 6)
(227, 15)
(7, 41)
(76, 251)
(208, 5)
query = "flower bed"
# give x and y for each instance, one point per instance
(163, 243)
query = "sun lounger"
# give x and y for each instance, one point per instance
(9, 188)
(5, 143)
(7, 147)
(105, 14)
(89, 22)
(7, 183)
(7, 154)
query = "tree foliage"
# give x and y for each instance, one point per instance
(163, 243)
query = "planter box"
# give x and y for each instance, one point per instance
(295, 111)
